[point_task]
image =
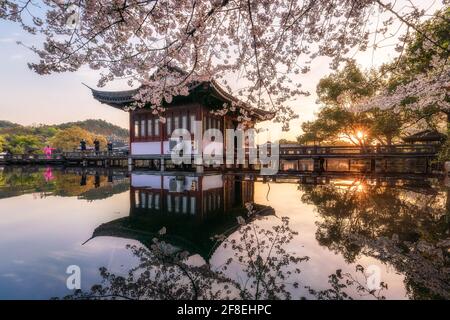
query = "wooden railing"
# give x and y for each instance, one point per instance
(64, 156)
(286, 152)
(355, 150)
(94, 155)
(32, 157)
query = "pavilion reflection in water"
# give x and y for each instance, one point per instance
(192, 208)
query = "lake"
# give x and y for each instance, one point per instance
(215, 236)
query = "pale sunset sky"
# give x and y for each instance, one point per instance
(28, 98)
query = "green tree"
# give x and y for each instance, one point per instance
(69, 139)
(20, 144)
(45, 131)
(385, 125)
(335, 123)
(99, 127)
(2, 143)
(341, 93)
(346, 87)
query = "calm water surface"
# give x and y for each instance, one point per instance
(52, 218)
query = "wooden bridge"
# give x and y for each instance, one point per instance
(402, 150)
(292, 158)
(83, 159)
(367, 158)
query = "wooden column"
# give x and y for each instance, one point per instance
(318, 164)
(372, 165)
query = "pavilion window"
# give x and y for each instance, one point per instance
(137, 203)
(169, 203)
(192, 123)
(143, 200)
(142, 128)
(177, 123)
(150, 200)
(156, 126)
(185, 205)
(177, 204)
(136, 129)
(157, 201)
(184, 124)
(193, 205)
(169, 125)
(150, 127)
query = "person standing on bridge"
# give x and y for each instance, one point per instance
(82, 145)
(110, 147)
(97, 145)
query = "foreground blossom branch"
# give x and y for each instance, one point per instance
(419, 80)
(264, 44)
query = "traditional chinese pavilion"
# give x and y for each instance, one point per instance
(426, 137)
(150, 138)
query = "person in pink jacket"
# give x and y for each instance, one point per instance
(48, 151)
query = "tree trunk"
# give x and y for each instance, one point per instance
(448, 121)
(389, 140)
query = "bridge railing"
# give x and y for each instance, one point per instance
(20, 157)
(64, 155)
(343, 150)
(93, 154)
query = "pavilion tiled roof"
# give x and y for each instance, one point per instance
(426, 135)
(120, 99)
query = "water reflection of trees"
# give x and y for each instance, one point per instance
(165, 272)
(87, 184)
(400, 225)
(266, 270)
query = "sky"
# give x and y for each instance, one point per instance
(28, 98)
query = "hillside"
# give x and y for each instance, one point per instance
(4, 124)
(100, 127)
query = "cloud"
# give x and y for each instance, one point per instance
(12, 276)
(17, 57)
(7, 40)
(9, 275)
